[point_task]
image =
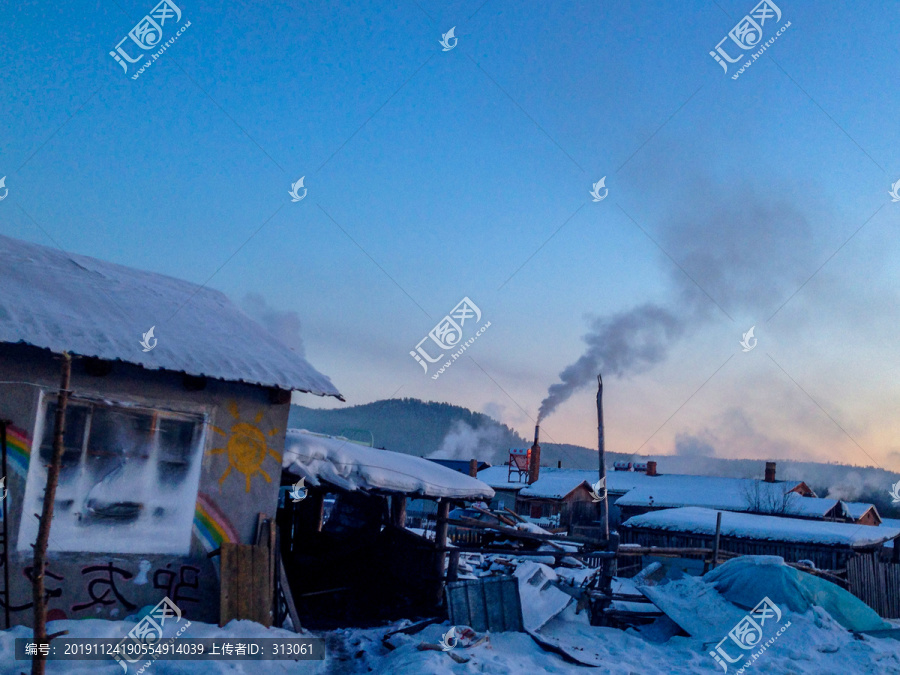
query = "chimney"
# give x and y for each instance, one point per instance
(601, 447)
(770, 472)
(534, 466)
(473, 468)
(651, 468)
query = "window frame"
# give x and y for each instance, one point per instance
(199, 416)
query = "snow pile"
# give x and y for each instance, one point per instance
(90, 307)
(771, 528)
(350, 466)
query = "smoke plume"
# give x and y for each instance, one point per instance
(628, 342)
(284, 325)
(737, 251)
(464, 441)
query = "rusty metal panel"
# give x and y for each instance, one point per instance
(490, 604)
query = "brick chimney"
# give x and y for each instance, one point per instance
(770, 472)
(473, 468)
(534, 467)
(651, 468)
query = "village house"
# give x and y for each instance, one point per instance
(361, 564)
(828, 545)
(861, 513)
(560, 495)
(173, 439)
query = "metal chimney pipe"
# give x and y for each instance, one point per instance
(534, 466)
(601, 447)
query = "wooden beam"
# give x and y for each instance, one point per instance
(288, 596)
(440, 542)
(398, 510)
(715, 557)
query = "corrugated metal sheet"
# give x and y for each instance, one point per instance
(85, 306)
(485, 604)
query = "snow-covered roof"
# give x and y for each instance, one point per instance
(560, 482)
(766, 528)
(496, 477)
(350, 466)
(730, 494)
(857, 510)
(89, 307)
(557, 484)
(890, 522)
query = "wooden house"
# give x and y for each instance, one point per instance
(861, 513)
(829, 545)
(173, 436)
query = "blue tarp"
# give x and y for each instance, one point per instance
(744, 580)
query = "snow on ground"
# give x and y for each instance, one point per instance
(811, 641)
(814, 644)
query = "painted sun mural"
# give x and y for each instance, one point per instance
(246, 446)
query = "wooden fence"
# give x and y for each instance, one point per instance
(875, 583)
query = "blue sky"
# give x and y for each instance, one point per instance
(435, 175)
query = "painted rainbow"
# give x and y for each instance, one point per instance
(211, 526)
(18, 450)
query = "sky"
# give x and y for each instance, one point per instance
(436, 172)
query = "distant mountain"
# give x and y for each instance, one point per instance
(414, 427)
(425, 429)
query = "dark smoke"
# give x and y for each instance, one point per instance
(689, 445)
(629, 342)
(741, 253)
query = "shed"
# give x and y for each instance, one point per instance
(562, 498)
(828, 544)
(361, 564)
(172, 447)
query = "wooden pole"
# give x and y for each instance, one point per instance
(39, 664)
(6, 598)
(398, 510)
(440, 542)
(601, 448)
(715, 558)
(318, 507)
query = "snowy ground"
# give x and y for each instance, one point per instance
(813, 644)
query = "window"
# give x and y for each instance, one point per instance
(128, 481)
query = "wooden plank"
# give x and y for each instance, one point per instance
(273, 554)
(244, 581)
(715, 556)
(227, 576)
(477, 607)
(493, 604)
(288, 597)
(261, 596)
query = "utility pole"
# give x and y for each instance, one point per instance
(39, 663)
